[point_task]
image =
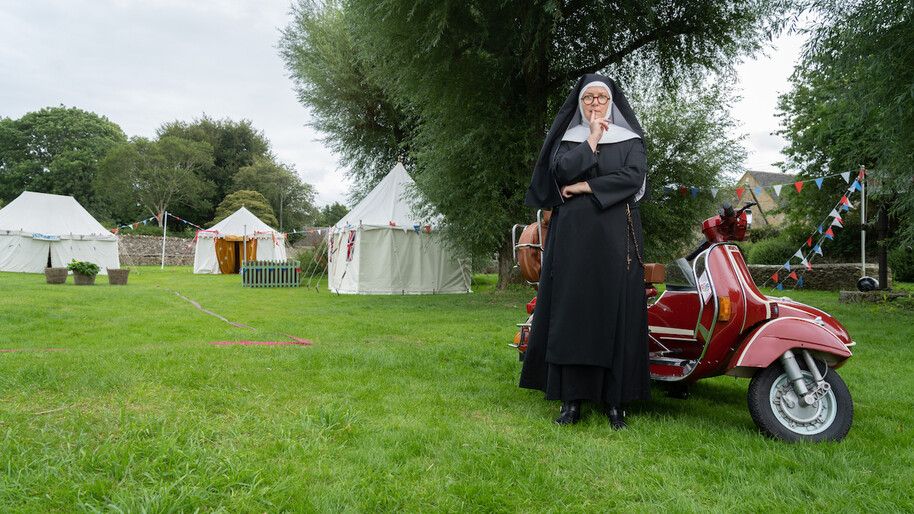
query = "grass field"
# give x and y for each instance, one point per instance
(402, 403)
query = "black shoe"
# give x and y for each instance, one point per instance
(616, 417)
(571, 413)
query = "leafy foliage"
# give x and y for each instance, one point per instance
(331, 214)
(902, 263)
(235, 145)
(361, 121)
(850, 103)
(689, 144)
(775, 250)
(288, 195)
(250, 200)
(156, 175)
(55, 150)
(476, 83)
(84, 268)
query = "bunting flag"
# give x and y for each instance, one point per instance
(809, 241)
(787, 265)
(829, 234)
(416, 228)
(820, 229)
(776, 188)
(808, 265)
(845, 201)
(834, 213)
(817, 249)
(775, 276)
(350, 245)
(780, 287)
(837, 223)
(793, 275)
(800, 282)
(799, 255)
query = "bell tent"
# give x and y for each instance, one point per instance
(39, 230)
(222, 248)
(380, 247)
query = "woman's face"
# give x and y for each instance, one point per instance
(596, 92)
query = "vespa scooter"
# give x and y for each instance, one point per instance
(712, 320)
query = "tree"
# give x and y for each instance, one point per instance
(481, 79)
(850, 106)
(689, 144)
(288, 195)
(155, 175)
(235, 145)
(55, 150)
(331, 214)
(363, 124)
(250, 200)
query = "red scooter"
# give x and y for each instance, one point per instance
(712, 320)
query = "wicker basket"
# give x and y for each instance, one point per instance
(117, 276)
(55, 275)
(83, 280)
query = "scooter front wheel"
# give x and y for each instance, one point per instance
(779, 413)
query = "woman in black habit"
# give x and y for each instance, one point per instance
(589, 335)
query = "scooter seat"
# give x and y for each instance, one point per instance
(654, 273)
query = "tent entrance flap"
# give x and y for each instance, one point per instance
(229, 254)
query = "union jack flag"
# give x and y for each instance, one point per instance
(350, 246)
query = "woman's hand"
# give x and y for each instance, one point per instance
(577, 188)
(597, 126)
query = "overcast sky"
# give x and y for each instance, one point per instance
(144, 63)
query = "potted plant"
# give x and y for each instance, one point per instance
(83, 272)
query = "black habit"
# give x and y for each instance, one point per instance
(588, 339)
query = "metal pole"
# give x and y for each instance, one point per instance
(164, 232)
(862, 222)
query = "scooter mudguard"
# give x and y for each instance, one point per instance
(767, 343)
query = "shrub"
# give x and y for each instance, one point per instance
(305, 255)
(771, 251)
(902, 263)
(86, 268)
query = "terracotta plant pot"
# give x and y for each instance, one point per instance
(83, 280)
(117, 276)
(55, 275)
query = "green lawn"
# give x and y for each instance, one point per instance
(402, 403)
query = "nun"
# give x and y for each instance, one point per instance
(588, 340)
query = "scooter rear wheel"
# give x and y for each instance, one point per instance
(777, 412)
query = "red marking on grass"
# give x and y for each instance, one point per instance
(267, 343)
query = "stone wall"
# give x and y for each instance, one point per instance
(823, 277)
(147, 251)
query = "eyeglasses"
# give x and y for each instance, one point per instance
(589, 99)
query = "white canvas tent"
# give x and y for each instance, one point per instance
(380, 248)
(38, 229)
(222, 248)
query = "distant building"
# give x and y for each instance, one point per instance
(767, 197)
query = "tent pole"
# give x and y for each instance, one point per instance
(244, 248)
(164, 233)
